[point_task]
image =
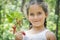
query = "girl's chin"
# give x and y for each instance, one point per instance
(36, 25)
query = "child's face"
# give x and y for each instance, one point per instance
(36, 15)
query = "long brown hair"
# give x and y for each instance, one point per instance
(38, 2)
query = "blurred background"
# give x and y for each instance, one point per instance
(12, 18)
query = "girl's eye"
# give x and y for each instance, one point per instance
(31, 14)
(39, 13)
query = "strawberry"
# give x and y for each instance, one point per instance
(23, 33)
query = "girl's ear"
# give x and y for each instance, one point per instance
(46, 15)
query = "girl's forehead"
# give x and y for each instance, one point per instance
(35, 7)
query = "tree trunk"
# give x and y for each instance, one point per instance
(23, 2)
(57, 13)
(0, 13)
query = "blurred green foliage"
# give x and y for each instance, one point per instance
(10, 12)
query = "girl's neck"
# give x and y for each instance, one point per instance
(40, 28)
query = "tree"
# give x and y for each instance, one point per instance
(0, 14)
(57, 13)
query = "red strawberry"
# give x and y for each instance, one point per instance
(23, 33)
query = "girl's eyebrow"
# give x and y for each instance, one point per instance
(39, 12)
(31, 13)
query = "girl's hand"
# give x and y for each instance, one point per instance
(19, 35)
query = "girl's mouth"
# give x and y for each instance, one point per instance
(36, 21)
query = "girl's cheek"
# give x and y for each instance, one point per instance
(40, 17)
(30, 19)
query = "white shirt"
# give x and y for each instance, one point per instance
(38, 36)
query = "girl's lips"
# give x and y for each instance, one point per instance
(36, 21)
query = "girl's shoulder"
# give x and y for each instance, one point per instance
(27, 31)
(50, 35)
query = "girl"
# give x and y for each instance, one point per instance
(37, 12)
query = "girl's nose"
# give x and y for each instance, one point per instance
(35, 17)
